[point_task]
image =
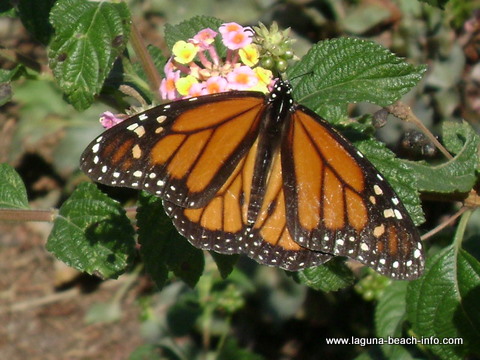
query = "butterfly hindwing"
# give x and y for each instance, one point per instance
(222, 225)
(343, 205)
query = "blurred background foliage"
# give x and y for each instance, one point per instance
(258, 312)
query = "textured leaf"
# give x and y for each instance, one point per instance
(331, 276)
(13, 194)
(88, 38)
(92, 233)
(189, 28)
(348, 70)
(153, 230)
(225, 263)
(456, 175)
(390, 316)
(391, 310)
(163, 248)
(443, 303)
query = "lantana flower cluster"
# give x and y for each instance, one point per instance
(196, 68)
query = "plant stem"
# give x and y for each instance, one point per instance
(146, 61)
(23, 215)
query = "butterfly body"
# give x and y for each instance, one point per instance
(244, 172)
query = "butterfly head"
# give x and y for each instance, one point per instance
(281, 94)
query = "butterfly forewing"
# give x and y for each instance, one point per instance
(344, 206)
(183, 151)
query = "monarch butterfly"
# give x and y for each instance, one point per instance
(245, 172)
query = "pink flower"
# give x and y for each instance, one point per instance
(215, 85)
(167, 86)
(235, 36)
(242, 78)
(205, 38)
(237, 40)
(196, 90)
(230, 27)
(108, 119)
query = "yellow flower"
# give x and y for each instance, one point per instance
(183, 85)
(249, 55)
(184, 52)
(264, 77)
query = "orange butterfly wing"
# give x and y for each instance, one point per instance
(222, 225)
(182, 151)
(243, 173)
(343, 206)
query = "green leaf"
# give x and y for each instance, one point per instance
(13, 194)
(331, 276)
(189, 28)
(150, 352)
(231, 351)
(6, 77)
(186, 261)
(456, 175)
(398, 174)
(92, 233)
(34, 16)
(390, 316)
(182, 315)
(154, 228)
(347, 70)
(88, 38)
(225, 263)
(443, 303)
(163, 248)
(390, 312)
(103, 313)
(438, 3)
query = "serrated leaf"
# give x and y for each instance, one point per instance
(92, 233)
(88, 38)
(225, 263)
(443, 303)
(154, 228)
(391, 310)
(331, 276)
(163, 248)
(186, 261)
(189, 28)
(390, 315)
(347, 70)
(398, 174)
(13, 194)
(457, 174)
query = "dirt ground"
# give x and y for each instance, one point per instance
(43, 306)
